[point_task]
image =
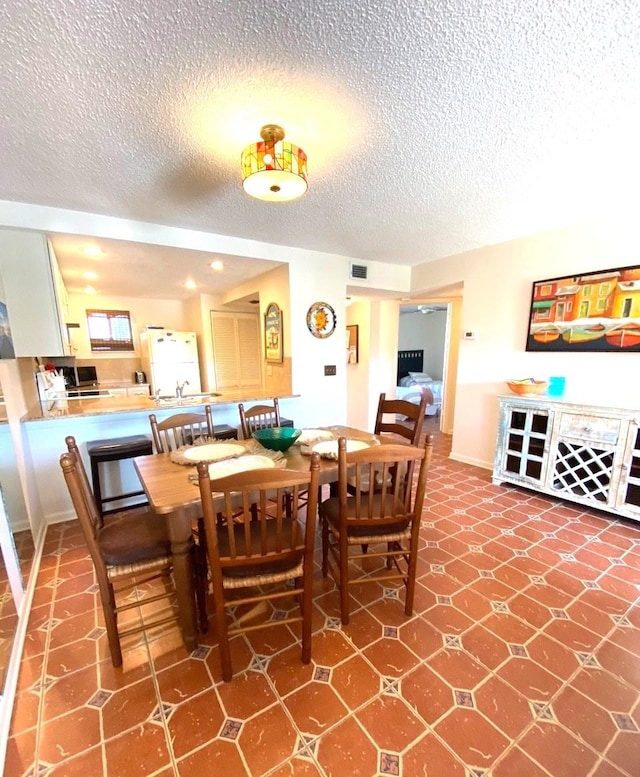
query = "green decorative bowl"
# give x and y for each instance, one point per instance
(280, 438)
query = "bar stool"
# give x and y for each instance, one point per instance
(117, 449)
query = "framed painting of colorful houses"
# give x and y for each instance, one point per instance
(597, 311)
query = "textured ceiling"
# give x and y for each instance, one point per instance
(431, 127)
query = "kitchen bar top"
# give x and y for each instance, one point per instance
(105, 405)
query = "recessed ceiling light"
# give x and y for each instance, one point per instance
(93, 251)
(190, 283)
(89, 290)
(217, 265)
(89, 276)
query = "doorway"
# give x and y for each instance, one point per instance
(434, 327)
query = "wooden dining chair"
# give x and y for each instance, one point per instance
(127, 551)
(411, 427)
(258, 417)
(386, 522)
(263, 417)
(255, 555)
(181, 429)
(169, 435)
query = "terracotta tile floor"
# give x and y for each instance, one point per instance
(522, 660)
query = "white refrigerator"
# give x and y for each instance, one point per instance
(170, 359)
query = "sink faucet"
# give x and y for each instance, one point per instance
(180, 388)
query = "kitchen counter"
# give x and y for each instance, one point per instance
(101, 418)
(109, 405)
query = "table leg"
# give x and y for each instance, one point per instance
(179, 529)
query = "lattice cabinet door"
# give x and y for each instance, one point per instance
(629, 489)
(523, 436)
(584, 459)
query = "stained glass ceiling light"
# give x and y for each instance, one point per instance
(274, 170)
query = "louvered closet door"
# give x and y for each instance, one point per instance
(236, 351)
(250, 357)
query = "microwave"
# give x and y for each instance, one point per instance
(86, 376)
(79, 376)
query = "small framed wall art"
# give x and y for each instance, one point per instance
(273, 333)
(352, 344)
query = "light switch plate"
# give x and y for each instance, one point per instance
(329, 369)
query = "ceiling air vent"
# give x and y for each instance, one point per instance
(359, 272)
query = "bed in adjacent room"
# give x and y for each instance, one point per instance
(412, 381)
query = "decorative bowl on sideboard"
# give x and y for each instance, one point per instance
(528, 386)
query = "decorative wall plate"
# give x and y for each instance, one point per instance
(321, 319)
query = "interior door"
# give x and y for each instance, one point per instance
(237, 354)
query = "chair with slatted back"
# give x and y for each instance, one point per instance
(387, 520)
(262, 417)
(255, 554)
(412, 414)
(181, 429)
(128, 551)
(169, 435)
(258, 417)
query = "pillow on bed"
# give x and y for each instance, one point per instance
(421, 377)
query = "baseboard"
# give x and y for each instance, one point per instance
(473, 462)
(60, 517)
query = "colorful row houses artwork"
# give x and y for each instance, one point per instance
(596, 311)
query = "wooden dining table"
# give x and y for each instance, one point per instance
(173, 493)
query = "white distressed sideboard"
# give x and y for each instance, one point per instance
(584, 453)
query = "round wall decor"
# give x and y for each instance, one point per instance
(321, 319)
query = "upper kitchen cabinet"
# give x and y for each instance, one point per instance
(34, 294)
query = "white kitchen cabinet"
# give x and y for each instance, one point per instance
(628, 494)
(583, 453)
(139, 390)
(34, 294)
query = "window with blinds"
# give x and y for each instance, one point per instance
(237, 354)
(110, 330)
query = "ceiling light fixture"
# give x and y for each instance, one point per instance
(217, 265)
(274, 170)
(190, 283)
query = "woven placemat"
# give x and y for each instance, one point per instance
(249, 447)
(178, 457)
(275, 456)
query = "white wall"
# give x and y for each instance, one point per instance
(385, 317)
(323, 397)
(23, 475)
(359, 312)
(497, 289)
(160, 312)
